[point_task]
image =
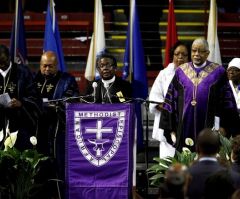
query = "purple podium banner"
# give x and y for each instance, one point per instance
(99, 151)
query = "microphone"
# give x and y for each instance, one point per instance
(106, 86)
(94, 85)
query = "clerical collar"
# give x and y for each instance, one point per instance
(203, 65)
(109, 81)
(208, 158)
(5, 72)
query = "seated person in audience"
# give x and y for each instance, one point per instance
(53, 84)
(22, 110)
(219, 185)
(208, 145)
(233, 72)
(176, 178)
(109, 88)
(180, 55)
(235, 153)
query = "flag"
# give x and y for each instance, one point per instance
(97, 45)
(212, 37)
(18, 50)
(52, 40)
(171, 33)
(134, 66)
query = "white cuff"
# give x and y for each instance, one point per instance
(166, 150)
(158, 134)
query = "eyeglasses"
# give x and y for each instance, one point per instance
(194, 51)
(108, 65)
(178, 54)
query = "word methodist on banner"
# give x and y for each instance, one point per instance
(99, 151)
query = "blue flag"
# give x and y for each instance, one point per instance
(52, 40)
(18, 50)
(135, 72)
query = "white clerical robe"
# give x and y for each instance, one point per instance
(157, 94)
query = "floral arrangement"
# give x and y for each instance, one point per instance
(185, 157)
(19, 168)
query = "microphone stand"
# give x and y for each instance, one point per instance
(53, 145)
(66, 99)
(147, 144)
(146, 103)
(138, 100)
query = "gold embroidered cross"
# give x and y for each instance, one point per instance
(49, 87)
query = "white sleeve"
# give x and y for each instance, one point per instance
(156, 93)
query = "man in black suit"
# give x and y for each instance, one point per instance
(109, 88)
(20, 106)
(208, 145)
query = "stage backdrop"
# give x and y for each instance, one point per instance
(99, 157)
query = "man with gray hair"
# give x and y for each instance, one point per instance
(199, 96)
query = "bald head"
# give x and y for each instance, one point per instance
(48, 63)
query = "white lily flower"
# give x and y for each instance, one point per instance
(7, 129)
(1, 135)
(186, 150)
(196, 157)
(11, 140)
(173, 137)
(189, 142)
(33, 140)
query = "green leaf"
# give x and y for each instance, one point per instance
(20, 169)
(157, 176)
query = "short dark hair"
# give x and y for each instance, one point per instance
(219, 185)
(107, 55)
(179, 43)
(208, 142)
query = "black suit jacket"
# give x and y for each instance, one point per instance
(200, 171)
(119, 85)
(236, 167)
